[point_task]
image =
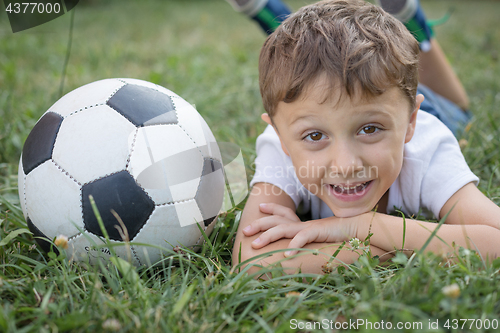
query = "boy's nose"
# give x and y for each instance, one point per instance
(345, 159)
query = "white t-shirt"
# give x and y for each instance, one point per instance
(433, 170)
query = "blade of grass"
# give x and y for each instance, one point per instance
(434, 232)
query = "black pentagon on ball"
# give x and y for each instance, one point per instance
(40, 142)
(118, 192)
(210, 193)
(42, 240)
(143, 106)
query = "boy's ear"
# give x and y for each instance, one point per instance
(413, 118)
(268, 120)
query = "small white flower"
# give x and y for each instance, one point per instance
(61, 241)
(452, 291)
(292, 294)
(111, 325)
(355, 243)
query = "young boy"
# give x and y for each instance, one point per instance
(347, 143)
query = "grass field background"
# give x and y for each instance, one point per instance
(207, 53)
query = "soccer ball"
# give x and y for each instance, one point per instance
(146, 157)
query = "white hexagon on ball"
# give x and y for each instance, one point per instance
(93, 143)
(166, 163)
(53, 196)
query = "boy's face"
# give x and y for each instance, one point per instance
(348, 152)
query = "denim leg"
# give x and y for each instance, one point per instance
(448, 112)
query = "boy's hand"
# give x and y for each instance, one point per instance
(278, 216)
(284, 223)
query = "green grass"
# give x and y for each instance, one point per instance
(208, 54)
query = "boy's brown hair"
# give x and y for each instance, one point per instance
(356, 44)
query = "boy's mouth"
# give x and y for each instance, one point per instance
(348, 190)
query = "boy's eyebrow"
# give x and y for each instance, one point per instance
(301, 118)
(377, 112)
(364, 112)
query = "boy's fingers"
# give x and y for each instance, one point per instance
(276, 233)
(302, 238)
(313, 234)
(276, 209)
(264, 224)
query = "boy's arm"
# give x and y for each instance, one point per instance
(285, 213)
(472, 223)
(471, 207)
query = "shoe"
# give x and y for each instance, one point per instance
(267, 13)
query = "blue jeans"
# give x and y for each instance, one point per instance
(448, 112)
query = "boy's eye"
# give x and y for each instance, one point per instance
(368, 129)
(316, 136)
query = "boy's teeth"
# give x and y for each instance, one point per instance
(349, 189)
